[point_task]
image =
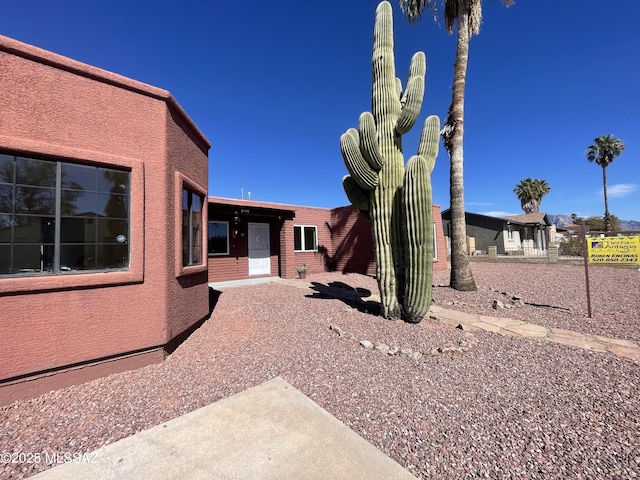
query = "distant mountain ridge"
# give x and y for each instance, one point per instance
(562, 220)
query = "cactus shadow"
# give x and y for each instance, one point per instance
(353, 297)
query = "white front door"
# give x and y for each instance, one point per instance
(259, 249)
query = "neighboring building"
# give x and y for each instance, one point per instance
(250, 239)
(103, 180)
(527, 234)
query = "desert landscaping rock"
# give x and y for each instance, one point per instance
(366, 344)
(381, 347)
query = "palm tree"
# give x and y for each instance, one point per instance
(603, 151)
(530, 193)
(468, 14)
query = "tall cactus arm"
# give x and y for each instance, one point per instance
(369, 141)
(430, 141)
(418, 219)
(411, 100)
(385, 101)
(358, 167)
(358, 196)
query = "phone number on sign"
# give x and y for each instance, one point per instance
(49, 458)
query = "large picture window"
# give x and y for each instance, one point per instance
(218, 243)
(305, 238)
(58, 217)
(191, 228)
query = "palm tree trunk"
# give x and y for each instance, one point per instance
(452, 133)
(607, 217)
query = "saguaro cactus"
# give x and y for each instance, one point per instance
(397, 202)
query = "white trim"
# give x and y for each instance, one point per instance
(435, 242)
(315, 229)
(260, 256)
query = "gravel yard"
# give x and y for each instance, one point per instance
(505, 408)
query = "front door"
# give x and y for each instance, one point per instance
(259, 249)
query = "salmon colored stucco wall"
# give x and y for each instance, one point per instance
(56, 107)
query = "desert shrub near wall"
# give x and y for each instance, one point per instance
(572, 247)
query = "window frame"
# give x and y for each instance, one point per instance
(303, 238)
(182, 181)
(192, 242)
(12, 284)
(228, 251)
(61, 221)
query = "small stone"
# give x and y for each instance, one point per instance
(452, 350)
(416, 355)
(393, 351)
(405, 352)
(518, 302)
(497, 305)
(381, 347)
(338, 330)
(432, 353)
(366, 344)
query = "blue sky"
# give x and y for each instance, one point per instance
(273, 85)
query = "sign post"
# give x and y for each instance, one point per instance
(608, 250)
(586, 266)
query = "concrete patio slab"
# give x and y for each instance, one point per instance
(243, 283)
(268, 432)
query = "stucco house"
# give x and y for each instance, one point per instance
(528, 234)
(103, 187)
(251, 239)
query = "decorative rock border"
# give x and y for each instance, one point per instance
(517, 328)
(408, 352)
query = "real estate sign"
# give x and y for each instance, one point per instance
(614, 250)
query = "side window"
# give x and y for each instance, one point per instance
(58, 217)
(218, 243)
(305, 238)
(191, 228)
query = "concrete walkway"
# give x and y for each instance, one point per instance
(267, 432)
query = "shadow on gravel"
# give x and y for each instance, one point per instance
(353, 297)
(172, 345)
(214, 296)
